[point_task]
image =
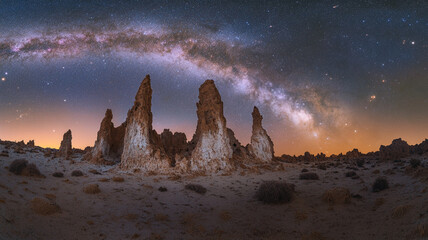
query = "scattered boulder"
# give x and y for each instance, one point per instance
(58, 174)
(308, 176)
(91, 189)
(380, 184)
(196, 188)
(337, 195)
(77, 173)
(44, 207)
(274, 192)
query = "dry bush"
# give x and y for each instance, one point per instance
(422, 230)
(50, 196)
(44, 207)
(350, 174)
(77, 173)
(300, 216)
(31, 171)
(103, 180)
(196, 188)
(400, 211)
(174, 177)
(337, 195)
(376, 171)
(274, 192)
(93, 171)
(162, 189)
(378, 202)
(118, 179)
(91, 189)
(17, 166)
(58, 174)
(380, 184)
(309, 176)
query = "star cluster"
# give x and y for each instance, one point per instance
(328, 76)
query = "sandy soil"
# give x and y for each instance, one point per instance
(136, 209)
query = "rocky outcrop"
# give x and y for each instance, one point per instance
(212, 151)
(65, 149)
(353, 154)
(142, 145)
(174, 144)
(261, 146)
(30, 143)
(397, 150)
(109, 144)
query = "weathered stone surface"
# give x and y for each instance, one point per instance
(353, 154)
(213, 150)
(397, 150)
(174, 144)
(142, 146)
(65, 149)
(109, 143)
(30, 143)
(261, 146)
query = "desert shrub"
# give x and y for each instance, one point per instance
(400, 211)
(305, 170)
(91, 189)
(93, 171)
(415, 163)
(44, 207)
(17, 166)
(162, 189)
(118, 179)
(31, 170)
(309, 176)
(58, 174)
(350, 174)
(337, 195)
(380, 184)
(196, 188)
(76, 173)
(274, 192)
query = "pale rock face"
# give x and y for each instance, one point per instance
(261, 146)
(142, 148)
(109, 143)
(213, 150)
(65, 149)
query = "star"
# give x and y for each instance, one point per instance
(3, 79)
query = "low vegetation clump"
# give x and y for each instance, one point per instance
(360, 162)
(400, 211)
(350, 174)
(274, 192)
(23, 168)
(337, 195)
(44, 207)
(415, 163)
(196, 188)
(380, 184)
(162, 189)
(91, 189)
(309, 176)
(76, 173)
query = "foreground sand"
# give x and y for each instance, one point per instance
(136, 209)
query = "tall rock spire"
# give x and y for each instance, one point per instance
(109, 144)
(142, 146)
(261, 146)
(212, 151)
(65, 149)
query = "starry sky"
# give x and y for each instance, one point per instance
(328, 76)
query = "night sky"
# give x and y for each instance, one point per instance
(327, 77)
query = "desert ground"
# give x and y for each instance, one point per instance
(135, 205)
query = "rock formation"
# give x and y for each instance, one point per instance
(212, 151)
(65, 149)
(30, 143)
(109, 144)
(397, 150)
(174, 144)
(142, 147)
(261, 146)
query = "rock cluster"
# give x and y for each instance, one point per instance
(397, 150)
(213, 147)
